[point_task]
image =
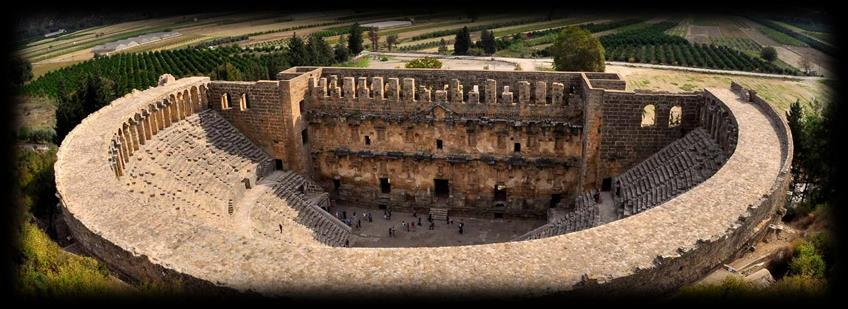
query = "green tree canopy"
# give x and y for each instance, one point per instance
(768, 54)
(298, 53)
(487, 42)
(462, 42)
(227, 71)
(341, 52)
(575, 49)
(354, 40)
(20, 71)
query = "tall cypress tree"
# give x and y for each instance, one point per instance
(487, 40)
(354, 40)
(462, 42)
(298, 54)
(793, 118)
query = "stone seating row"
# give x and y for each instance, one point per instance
(673, 170)
(584, 215)
(194, 166)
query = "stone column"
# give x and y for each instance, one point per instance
(377, 88)
(408, 89)
(423, 94)
(456, 93)
(335, 91)
(506, 96)
(322, 88)
(362, 89)
(393, 91)
(348, 89)
(523, 92)
(474, 95)
(491, 91)
(541, 93)
(557, 90)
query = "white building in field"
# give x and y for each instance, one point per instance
(54, 33)
(380, 25)
(119, 45)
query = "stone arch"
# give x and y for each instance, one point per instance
(675, 116)
(195, 99)
(649, 115)
(187, 106)
(166, 113)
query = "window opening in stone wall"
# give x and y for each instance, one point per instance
(245, 102)
(246, 183)
(225, 101)
(367, 140)
(516, 147)
(649, 116)
(304, 136)
(675, 116)
(385, 186)
(439, 144)
(337, 184)
(300, 107)
(278, 164)
(555, 199)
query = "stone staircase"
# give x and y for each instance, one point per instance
(439, 213)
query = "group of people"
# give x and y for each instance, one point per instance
(349, 221)
(387, 215)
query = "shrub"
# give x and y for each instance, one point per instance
(476, 51)
(384, 58)
(424, 63)
(729, 287)
(768, 54)
(807, 261)
(39, 135)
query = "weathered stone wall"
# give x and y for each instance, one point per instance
(611, 84)
(529, 130)
(528, 184)
(626, 142)
(261, 121)
(294, 91)
(438, 79)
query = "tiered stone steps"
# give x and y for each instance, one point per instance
(290, 209)
(584, 215)
(673, 170)
(439, 213)
(195, 166)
